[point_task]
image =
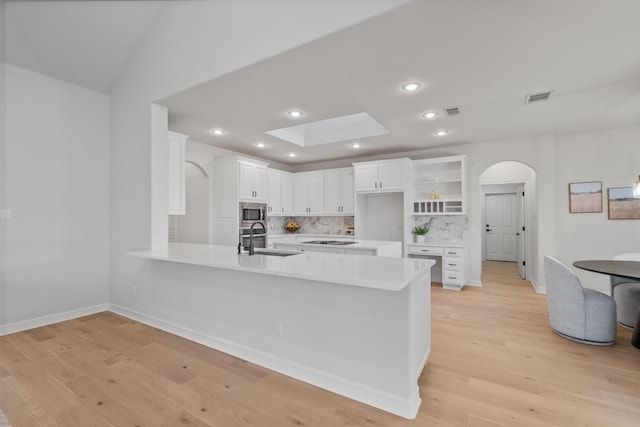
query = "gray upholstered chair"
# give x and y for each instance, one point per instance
(626, 292)
(578, 313)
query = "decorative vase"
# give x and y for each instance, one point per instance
(420, 238)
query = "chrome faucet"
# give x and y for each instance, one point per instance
(251, 251)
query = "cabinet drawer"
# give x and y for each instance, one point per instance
(454, 252)
(452, 277)
(425, 250)
(453, 264)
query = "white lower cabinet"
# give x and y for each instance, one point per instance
(451, 260)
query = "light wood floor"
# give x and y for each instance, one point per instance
(494, 362)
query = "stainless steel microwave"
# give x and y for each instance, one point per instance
(252, 212)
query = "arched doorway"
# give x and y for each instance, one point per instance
(508, 197)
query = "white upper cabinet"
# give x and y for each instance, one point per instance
(383, 175)
(177, 181)
(286, 197)
(338, 191)
(280, 193)
(252, 181)
(308, 193)
(439, 186)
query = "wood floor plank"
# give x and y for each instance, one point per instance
(494, 362)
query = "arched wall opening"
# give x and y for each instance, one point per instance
(513, 187)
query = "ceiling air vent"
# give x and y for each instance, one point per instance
(452, 111)
(542, 96)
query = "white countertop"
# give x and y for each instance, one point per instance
(311, 236)
(359, 244)
(391, 274)
(445, 243)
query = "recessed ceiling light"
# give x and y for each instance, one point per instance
(430, 114)
(411, 86)
(295, 114)
(441, 132)
(217, 132)
(261, 145)
(356, 145)
(292, 154)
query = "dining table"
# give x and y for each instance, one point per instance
(626, 269)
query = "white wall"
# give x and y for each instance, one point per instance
(193, 226)
(3, 174)
(613, 157)
(57, 177)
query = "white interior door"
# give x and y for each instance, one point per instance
(520, 233)
(500, 230)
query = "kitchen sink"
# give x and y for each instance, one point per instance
(276, 253)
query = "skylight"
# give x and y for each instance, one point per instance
(337, 129)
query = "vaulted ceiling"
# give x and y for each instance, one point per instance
(482, 56)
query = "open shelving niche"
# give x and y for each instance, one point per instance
(442, 175)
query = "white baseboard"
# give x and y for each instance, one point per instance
(536, 286)
(11, 328)
(407, 408)
(476, 283)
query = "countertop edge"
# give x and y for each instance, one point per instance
(153, 255)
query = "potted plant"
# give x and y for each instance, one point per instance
(420, 231)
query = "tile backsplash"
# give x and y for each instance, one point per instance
(443, 228)
(311, 224)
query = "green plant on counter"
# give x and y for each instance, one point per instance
(420, 230)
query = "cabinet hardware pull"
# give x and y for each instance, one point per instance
(376, 184)
(380, 184)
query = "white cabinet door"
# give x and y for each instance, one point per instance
(385, 175)
(260, 182)
(316, 193)
(246, 180)
(308, 193)
(391, 176)
(274, 190)
(177, 181)
(338, 191)
(252, 182)
(301, 194)
(286, 195)
(346, 192)
(366, 177)
(332, 192)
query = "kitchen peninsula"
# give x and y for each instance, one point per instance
(357, 325)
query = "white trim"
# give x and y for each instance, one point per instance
(475, 283)
(536, 287)
(23, 325)
(407, 408)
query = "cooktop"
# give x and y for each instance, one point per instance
(329, 242)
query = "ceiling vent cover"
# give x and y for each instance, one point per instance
(537, 97)
(452, 111)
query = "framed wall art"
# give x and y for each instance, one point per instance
(622, 203)
(585, 197)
